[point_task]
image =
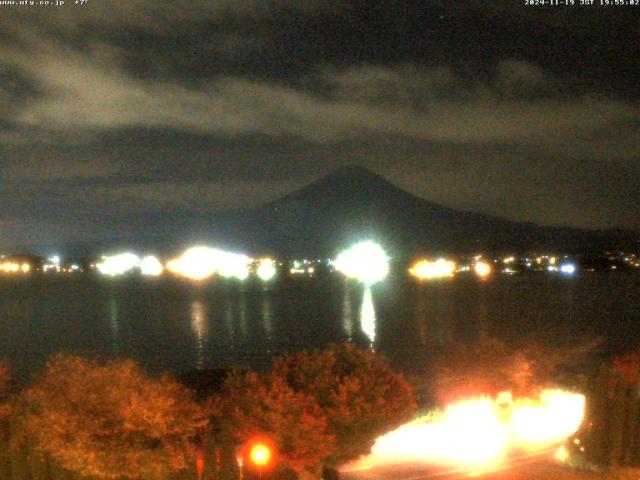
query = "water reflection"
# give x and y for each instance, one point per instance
(368, 315)
(114, 324)
(347, 313)
(200, 328)
(266, 313)
(167, 325)
(228, 321)
(242, 314)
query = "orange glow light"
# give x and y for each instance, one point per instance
(482, 269)
(260, 455)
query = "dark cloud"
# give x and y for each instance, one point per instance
(114, 111)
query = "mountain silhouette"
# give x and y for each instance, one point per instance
(351, 204)
(354, 203)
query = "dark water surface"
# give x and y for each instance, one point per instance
(168, 324)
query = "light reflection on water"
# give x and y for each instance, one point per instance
(266, 309)
(200, 329)
(347, 314)
(178, 326)
(113, 323)
(368, 315)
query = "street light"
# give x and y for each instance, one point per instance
(257, 455)
(260, 455)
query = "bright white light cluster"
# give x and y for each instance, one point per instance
(266, 269)
(199, 263)
(118, 264)
(365, 261)
(126, 262)
(151, 266)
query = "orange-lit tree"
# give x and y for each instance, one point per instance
(5, 378)
(5, 411)
(262, 406)
(359, 393)
(111, 421)
(486, 367)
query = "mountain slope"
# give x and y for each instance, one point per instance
(354, 203)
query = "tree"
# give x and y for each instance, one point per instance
(5, 380)
(484, 368)
(359, 393)
(110, 420)
(489, 366)
(5, 414)
(263, 406)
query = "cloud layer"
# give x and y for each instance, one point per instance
(152, 107)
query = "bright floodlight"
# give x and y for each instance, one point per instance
(234, 265)
(365, 261)
(197, 263)
(151, 266)
(118, 264)
(266, 269)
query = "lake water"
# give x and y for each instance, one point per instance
(168, 324)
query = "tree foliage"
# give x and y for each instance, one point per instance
(5, 379)
(489, 366)
(264, 406)
(359, 393)
(111, 420)
(486, 367)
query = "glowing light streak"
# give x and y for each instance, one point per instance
(365, 261)
(476, 434)
(427, 270)
(555, 416)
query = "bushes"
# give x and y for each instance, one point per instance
(84, 419)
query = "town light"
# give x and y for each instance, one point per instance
(568, 269)
(266, 269)
(482, 269)
(200, 263)
(426, 269)
(118, 264)
(151, 266)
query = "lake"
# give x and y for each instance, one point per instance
(169, 324)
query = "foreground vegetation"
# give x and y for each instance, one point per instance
(85, 419)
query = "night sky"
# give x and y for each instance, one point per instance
(113, 113)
